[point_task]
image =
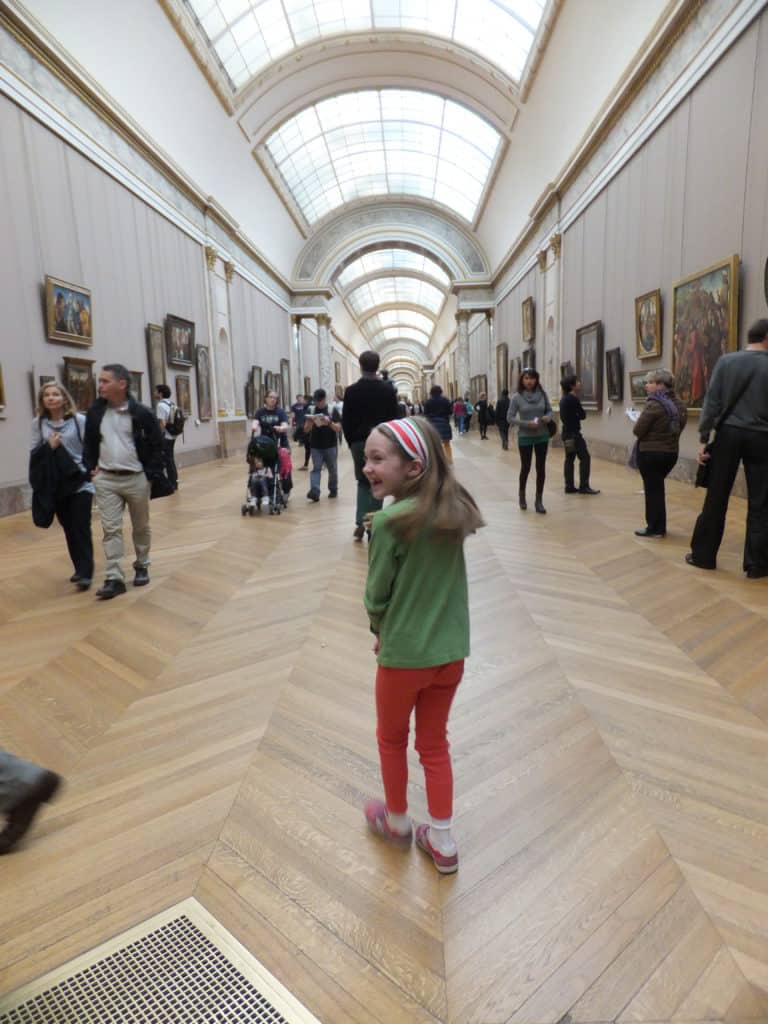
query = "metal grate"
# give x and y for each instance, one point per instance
(173, 974)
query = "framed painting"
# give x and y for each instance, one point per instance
(566, 369)
(136, 389)
(307, 387)
(68, 312)
(614, 376)
(705, 323)
(204, 396)
(528, 359)
(514, 374)
(179, 341)
(285, 382)
(502, 367)
(79, 382)
(637, 391)
(184, 394)
(589, 364)
(529, 320)
(155, 356)
(648, 321)
(336, 371)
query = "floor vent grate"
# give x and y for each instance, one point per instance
(180, 967)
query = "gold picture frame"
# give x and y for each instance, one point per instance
(529, 320)
(79, 382)
(648, 325)
(502, 367)
(69, 312)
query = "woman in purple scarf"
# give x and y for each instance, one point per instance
(658, 444)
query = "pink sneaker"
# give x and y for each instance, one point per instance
(445, 863)
(376, 816)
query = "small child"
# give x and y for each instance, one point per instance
(259, 480)
(417, 603)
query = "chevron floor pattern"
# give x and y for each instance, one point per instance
(216, 730)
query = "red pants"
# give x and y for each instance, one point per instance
(430, 691)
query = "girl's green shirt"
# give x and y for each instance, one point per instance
(416, 596)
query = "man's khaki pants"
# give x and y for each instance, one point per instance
(113, 493)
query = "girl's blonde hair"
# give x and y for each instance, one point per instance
(70, 409)
(440, 504)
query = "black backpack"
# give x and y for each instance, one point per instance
(175, 423)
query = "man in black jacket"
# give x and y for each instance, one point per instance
(123, 452)
(367, 403)
(571, 415)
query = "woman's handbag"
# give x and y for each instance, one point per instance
(569, 443)
(551, 428)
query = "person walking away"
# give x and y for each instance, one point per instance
(325, 426)
(164, 412)
(459, 414)
(469, 410)
(571, 415)
(736, 407)
(298, 412)
(367, 402)
(417, 604)
(483, 415)
(24, 788)
(59, 430)
(658, 430)
(530, 411)
(437, 410)
(123, 452)
(502, 411)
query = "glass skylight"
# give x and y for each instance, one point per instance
(393, 291)
(397, 318)
(393, 259)
(384, 142)
(247, 35)
(397, 333)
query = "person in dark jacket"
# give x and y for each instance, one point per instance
(60, 484)
(483, 415)
(658, 431)
(366, 403)
(437, 410)
(571, 415)
(123, 453)
(502, 408)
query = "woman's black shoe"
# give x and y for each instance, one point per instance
(540, 507)
(649, 533)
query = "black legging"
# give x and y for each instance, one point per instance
(526, 457)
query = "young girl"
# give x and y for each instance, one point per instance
(416, 599)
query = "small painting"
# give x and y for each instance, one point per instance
(648, 321)
(529, 320)
(336, 371)
(502, 367)
(528, 359)
(514, 374)
(589, 364)
(204, 399)
(79, 382)
(705, 314)
(637, 393)
(566, 369)
(184, 394)
(68, 312)
(155, 356)
(307, 387)
(614, 377)
(179, 341)
(136, 376)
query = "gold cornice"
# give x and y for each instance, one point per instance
(224, 97)
(541, 257)
(119, 122)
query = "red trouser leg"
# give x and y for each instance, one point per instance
(430, 691)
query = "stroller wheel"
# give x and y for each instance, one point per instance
(244, 510)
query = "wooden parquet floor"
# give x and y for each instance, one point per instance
(216, 730)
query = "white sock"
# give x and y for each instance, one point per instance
(440, 836)
(399, 822)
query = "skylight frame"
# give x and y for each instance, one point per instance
(397, 317)
(392, 260)
(247, 36)
(395, 291)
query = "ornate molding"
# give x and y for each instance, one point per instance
(210, 257)
(541, 258)
(323, 320)
(229, 271)
(556, 244)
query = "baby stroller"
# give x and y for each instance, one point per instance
(267, 476)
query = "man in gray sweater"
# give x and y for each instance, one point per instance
(740, 381)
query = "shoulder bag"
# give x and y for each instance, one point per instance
(703, 471)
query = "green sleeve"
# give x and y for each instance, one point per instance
(382, 570)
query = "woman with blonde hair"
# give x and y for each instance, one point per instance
(57, 439)
(417, 604)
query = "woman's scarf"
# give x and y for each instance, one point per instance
(669, 407)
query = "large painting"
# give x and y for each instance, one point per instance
(79, 382)
(529, 320)
(528, 359)
(68, 312)
(614, 375)
(705, 311)
(307, 388)
(136, 388)
(589, 364)
(648, 322)
(155, 357)
(502, 368)
(179, 341)
(203, 367)
(514, 374)
(637, 392)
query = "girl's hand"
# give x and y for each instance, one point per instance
(375, 645)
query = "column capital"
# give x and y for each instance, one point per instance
(323, 320)
(490, 314)
(556, 243)
(229, 271)
(296, 319)
(541, 256)
(463, 315)
(211, 256)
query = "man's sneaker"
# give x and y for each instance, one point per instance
(313, 496)
(376, 816)
(445, 864)
(141, 579)
(333, 494)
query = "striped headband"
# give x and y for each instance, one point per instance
(410, 439)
